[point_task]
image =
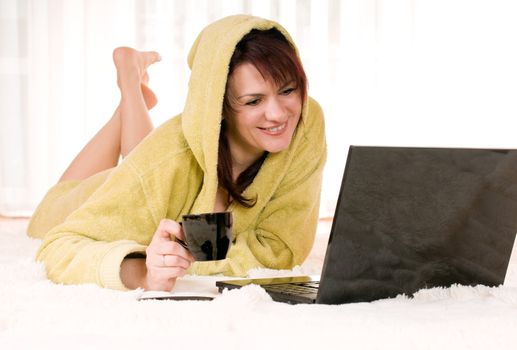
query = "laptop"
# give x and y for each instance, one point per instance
(412, 218)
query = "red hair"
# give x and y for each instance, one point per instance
(273, 56)
(276, 60)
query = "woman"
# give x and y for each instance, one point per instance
(249, 141)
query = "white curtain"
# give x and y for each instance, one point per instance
(391, 72)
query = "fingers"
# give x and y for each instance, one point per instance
(163, 270)
(174, 249)
(166, 259)
(167, 230)
(181, 234)
(165, 275)
(174, 261)
(165, 239)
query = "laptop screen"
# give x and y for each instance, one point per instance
(411, 218)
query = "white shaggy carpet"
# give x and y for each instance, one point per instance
(37, 314)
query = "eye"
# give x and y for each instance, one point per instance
(253, 102)
(287, 91)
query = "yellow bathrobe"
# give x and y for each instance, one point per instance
(90, 226)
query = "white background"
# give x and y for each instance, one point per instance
(387, 72)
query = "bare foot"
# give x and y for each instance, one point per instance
(132, 71)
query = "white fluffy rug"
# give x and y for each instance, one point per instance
(37, 314)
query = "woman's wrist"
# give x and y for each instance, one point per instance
(133, 273)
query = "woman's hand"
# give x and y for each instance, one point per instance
(166, 259)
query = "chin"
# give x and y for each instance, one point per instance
(276, 144)
(277, 147)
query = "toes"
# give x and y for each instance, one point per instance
(151, 57)
(132, 65)
(127, 54)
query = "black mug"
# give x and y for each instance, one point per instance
(208, 235)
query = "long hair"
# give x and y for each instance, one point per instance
(276, 60)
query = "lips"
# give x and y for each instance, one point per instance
(275, 130)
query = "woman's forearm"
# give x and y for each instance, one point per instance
(133, 273)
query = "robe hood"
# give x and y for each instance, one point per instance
(209, 60)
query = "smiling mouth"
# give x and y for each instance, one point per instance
(275, 129)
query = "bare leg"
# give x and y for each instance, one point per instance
(130, 122)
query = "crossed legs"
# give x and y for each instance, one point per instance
(130, 122)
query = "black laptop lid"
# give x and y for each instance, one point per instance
(411, 218)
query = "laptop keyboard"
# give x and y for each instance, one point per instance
(293, 288)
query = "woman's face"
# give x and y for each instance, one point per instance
(265, 115)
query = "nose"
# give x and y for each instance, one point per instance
(275, 111)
